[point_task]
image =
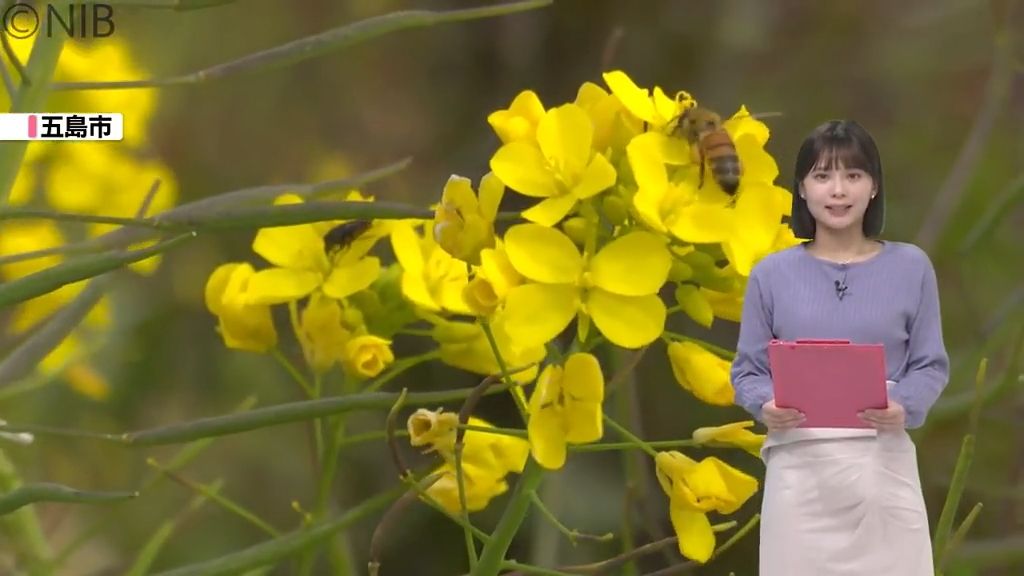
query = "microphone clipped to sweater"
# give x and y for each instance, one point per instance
(841, 288)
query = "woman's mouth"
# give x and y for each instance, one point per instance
(839, 209)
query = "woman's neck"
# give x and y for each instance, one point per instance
(842, 248)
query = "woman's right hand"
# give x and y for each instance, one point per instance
(778, 419)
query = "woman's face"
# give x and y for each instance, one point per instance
(838, 197)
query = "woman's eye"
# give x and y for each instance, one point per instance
(821, 177)
(855, 176)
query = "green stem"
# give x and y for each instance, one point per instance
(499, 431)
(21, 528)
(516, 391)
(37, 214)
(467, 534)
(493, 555)
(213, 493)
(31, 97)
(718, 350)
(604, 446)
(292, 371)
(634, 481)
(572, 535)
(633, 440)
(401, 366)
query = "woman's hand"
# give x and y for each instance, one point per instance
(891, 419)
(778, 419)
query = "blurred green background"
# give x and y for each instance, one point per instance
(936, 84)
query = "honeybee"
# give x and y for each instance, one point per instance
(343, 235)
(703, 129)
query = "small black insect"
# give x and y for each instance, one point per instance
(342, 235)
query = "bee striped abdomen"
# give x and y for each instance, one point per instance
(722, 159)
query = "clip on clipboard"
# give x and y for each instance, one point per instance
(829, 381)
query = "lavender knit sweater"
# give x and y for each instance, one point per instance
(891, 298)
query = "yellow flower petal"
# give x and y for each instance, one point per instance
(585, 422)
(298, 247)
(565, 135)
(407, 248)
(757, 164)
(582, 378)
(491, 191)
(547, 439)
(665, 108)
(692, 301)
(346, 281)
(597, 177)
(523, 168)
(635, 264)
(735, 434)
(701, 372)
(550, 211)
(629, 321)
(738, 485)
(742, 124)
(696, 539)
(646, 160)
(280, 285)
(543, 254)
(519, 121)
(216, 284)
(536, 313)
(416, 289)
(634, 98)
(702, 223)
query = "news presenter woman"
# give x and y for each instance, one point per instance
(843, 502)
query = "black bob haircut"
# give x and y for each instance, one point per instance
(846, 143)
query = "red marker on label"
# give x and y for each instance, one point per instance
(32, 130)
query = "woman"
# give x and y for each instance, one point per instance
(843, 501)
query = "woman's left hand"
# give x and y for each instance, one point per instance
(891, 419)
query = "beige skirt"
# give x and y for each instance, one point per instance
(844, 507)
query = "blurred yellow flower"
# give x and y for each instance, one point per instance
(480, 489)
(242, 325)
(486, 458)
(322, 333)
(696, 488)
(701, 372)
(565, 408)
(465, 345)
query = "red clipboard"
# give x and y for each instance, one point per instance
(830, 381)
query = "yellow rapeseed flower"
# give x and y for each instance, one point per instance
(518, 123)
(562, 167)
(366, 355)
(464, 345)
(463, 223)
(701, 372)
(242, 325)
(732, 434)
(303, 264)
(696, 488)
(565, 408)
(431, 278)
(617, 287)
